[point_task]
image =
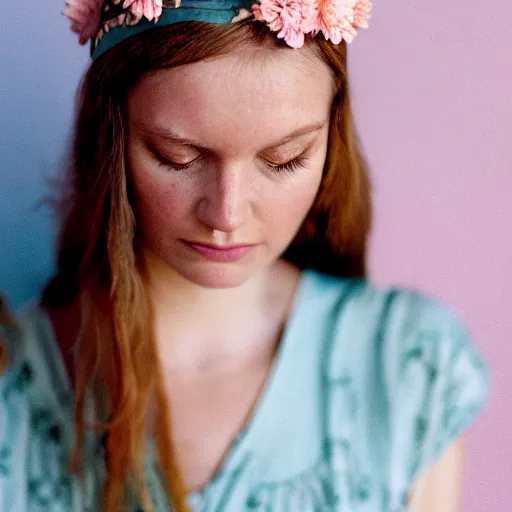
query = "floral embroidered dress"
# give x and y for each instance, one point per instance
(368, 389)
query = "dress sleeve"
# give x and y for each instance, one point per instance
(36, 434)
(438, 384)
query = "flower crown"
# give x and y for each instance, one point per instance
(337, 20)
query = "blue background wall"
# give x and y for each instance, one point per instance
(41, 65)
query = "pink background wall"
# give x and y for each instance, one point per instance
(432, 84)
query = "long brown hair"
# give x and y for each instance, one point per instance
(99, 264)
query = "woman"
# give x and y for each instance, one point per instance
(210, 340)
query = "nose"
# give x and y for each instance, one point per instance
(224, 205)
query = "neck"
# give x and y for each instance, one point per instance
(175, 295)
(197, 325)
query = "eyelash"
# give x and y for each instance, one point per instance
(163, 162)
(291, 166)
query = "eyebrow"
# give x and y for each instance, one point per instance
(177, 139)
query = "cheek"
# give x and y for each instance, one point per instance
(159, 207)
(291, 206)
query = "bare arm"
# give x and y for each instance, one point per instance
(440, 488)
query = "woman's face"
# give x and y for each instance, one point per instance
(226, 158)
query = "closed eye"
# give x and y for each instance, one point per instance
(291, 166)
(169, 164)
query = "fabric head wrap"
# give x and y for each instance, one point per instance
(108, 22)
(216, 11)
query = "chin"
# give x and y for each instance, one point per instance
(204, 273)
(217, 275)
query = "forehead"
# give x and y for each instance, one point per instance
(237, 99)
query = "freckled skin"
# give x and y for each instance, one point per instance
(234, 108)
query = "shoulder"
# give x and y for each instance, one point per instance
(394, 318)
(394, 330)
(415, 371)
(36, 411)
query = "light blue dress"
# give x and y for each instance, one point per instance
(368, 390)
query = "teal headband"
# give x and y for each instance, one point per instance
(210, 11)
(108, 22)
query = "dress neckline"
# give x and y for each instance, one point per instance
(260, 415)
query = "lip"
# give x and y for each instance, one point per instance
(223, 254)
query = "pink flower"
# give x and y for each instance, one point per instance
(362, 11)
(85, 16)
(284, 17)
(292, 35)
(150, 9)
(339, 19)
(336, 19)
(269, 11)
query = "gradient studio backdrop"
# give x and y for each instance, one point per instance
(432, 88)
